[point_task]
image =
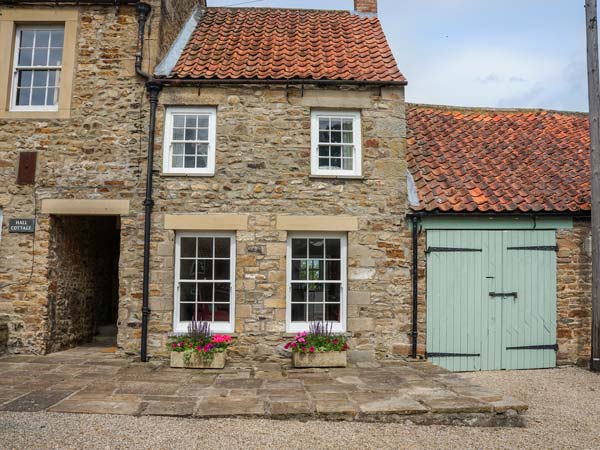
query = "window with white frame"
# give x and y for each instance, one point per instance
(205, 280)
(37, 68)
(316, 278)
(336, 143)
(189, 146)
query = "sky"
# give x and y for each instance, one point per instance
(490, 53)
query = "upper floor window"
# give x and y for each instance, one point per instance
(37, 68)
(190, 135)
(336, 143)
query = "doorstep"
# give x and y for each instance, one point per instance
(92, 382)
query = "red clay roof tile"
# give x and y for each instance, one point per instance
(284, 44)
(502, 161)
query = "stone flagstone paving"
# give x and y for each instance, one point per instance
(95, 381)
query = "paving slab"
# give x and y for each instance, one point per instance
(178, 408)
(392, 405)
(36, 401)
(229, 407)
(130, 408)
(287, 409)
(457, 405)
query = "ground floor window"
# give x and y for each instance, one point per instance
(205, 280)
(316, 280)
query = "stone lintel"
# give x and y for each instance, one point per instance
(206, 222)
(75, 207)
(317, 223)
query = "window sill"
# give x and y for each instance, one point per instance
(348, 334)
(184, 174)
(337, 177)
(36, 115)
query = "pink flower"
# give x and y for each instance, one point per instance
(174, 345)
(345, 347)
(311, 349)
(199, 348)
(181, 344)
(335, 341)
(293, 345)
(302, 340)
(286, 346)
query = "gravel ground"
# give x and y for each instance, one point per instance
(564, 413)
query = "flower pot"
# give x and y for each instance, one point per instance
(196, 361)
(319, 359)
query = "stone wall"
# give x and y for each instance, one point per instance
(82, 278)
(263, 170)
(574, 293)
(96, 154)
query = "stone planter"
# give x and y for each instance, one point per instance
(197, 362)
(319, 359)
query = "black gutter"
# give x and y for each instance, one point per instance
(153, 87)
(415, 283)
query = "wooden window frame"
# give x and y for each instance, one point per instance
(220, 327)
(10, 20)
(338, 327)
(209, 170)
(357, 142)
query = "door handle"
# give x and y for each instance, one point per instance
(503, 294)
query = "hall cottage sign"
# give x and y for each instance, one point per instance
(21, 226)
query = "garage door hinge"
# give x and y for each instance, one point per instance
(549, 248)
(451, 249)
(535, 347)
(445, 355)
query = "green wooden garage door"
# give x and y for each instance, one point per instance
(491, 299)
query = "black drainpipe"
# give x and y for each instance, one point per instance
(153, 87)
(415, 283)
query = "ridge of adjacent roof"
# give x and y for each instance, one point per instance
(470, 159)
(244, 43)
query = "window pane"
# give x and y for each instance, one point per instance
(55, 57)
(332, 313)
(25, 57)
(324, 136)
(53, 78)
(336, 163)
(222, 292)
(205, 292)
(189, 162)
(299, 312)
(25, 78)
(38, 96)
(26, 38)
(221, 312)
(40, 57)
(299, 270)
(348, 151)
(42, 38)
(23, 97)
(190, 121)
(205, 247)
(299, 248)
(52, 96)
(187, 292)
(203, 134)
(336, 137)
(201, 162)
(204, 312)
(323, 163)
(315, 269)
(222, 267)
(40, 78)
(204, 269)
(178, 149)
(203, 121)
(299, 292)
(347, 164)
(332, 293)
(347, 124)
(316, 292)
(316, 248)
(347, 137)
(323, 124)
(190, 149)
(178, 120)
(332, 248)
(336, 124)
(57, 38)
(334, 270)
(178, 134)
(187, 269)
(177, 162)
(336, 151)
(188, 247)
(324, 151)
(190, 134)
(222, 247)
(186, 311)
(315, 312)
(202, 149)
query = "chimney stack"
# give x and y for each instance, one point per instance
(365, 7)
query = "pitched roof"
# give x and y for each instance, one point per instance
(285, 44)
(498, 160)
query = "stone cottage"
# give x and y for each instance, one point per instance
(168, 161)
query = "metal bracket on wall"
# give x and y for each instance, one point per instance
(451, 249)
(503, 294)
(452, 355)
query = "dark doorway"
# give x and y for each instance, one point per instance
(83, 296)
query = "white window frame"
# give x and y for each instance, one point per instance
(337, 327)
(14, 81)
(357, 131)
(219, 327)
(212, 140)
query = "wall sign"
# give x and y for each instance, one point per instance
(21, 226)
